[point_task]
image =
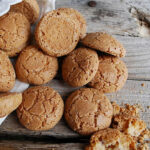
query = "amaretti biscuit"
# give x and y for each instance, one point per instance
(14, 33)
(29, 8)
(35, 67)
(7, 73)
(87, 111)
(105, 43)
(80, 66)
(111, 75)
(57, 34)
(111, 139)
(75, 15)
(9, 102)
(41, 108)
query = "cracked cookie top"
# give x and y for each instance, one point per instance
(7, 73)
(29, 8)
(111, 75)
(14, 33)
(80, 66)
(35, 67)
(9, 102)
(87, 111)
(111, 139)
(105, 43)
(41, 108)
(57, 34)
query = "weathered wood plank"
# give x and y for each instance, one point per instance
(26, 145)
(132, 93)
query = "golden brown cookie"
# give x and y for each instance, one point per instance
(7, 73)
(57, 34)
(75, 15)
(9, 102)
(87, 111)
(28, 8)
(41, 109)
(80, 66)
(35, 67)
(111, 75)
(111, 139)
(14, 33)
(105, 43)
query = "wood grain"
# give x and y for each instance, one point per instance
(132, 93)
(26, 145)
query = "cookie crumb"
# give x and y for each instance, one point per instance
(148, 107)
(142, 84)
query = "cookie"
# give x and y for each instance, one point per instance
(9, 102)
(105, 43)
(57, 34)
(41, 109)
(111, 139)
(111, 75)
(87, 111)
(75, 15)
(14, 33)
(28, 8)
(7, 73)
(35, 67)
(128, 121)
(80, 66)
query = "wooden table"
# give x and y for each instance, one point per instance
(129, 22)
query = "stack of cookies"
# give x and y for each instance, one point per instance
(93, 63)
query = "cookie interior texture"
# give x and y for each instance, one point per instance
(128, 121)
(57, 34)
(111, 139)
(80, 66)
(111, 75)
(87, 111)
(35, 67)
(9, 102)
(15, 33)
(41, 109)
(104, 42)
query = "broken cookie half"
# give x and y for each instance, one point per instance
(111, 139)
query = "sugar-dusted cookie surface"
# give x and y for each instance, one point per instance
(75, 15)
(41, 108)
(80, 66)
(105, 43)
(87, 111)
(57, 34)
(111, 75)
(35, 67)
(14, 33)
(29, 8)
